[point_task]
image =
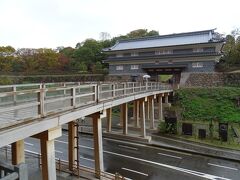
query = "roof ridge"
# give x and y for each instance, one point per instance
(165, 36)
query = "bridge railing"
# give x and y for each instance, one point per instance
(21, 102)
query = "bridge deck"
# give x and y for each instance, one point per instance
(23, 106)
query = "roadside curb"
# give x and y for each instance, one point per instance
(193, 152)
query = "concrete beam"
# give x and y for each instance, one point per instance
(151, 112)
(48, 152)
(166, 98)
(160, 108)
(109, 120)
(50, 134)
(98, 149)
(136, 113)
(18, 155)
(143, 126)
(48, 159)
(124, 115)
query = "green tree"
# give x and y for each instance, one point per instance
(231, 49)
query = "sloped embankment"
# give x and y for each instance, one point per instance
(221, 104)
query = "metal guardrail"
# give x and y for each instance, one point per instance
(30, 101)
(61, 165)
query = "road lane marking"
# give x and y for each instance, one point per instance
(29, 144)
(58, 151)
(86, 158)
(86, 147)
(114, 140)
(61, 141)
(170, 155)
(150, 147)
(86, 139)
(126, 169)
(226, 167)
(33, 152)
(195, 173)
(132, 148)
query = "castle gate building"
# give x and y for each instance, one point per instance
(166, 54)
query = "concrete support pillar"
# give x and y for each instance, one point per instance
(151, 112)
(121, 118)
(124, 116)
(2, 174)
(147, 109)
(166, 98)
(143, 126)
(72, 145)
(48, 152)
(136, 113)
(18, 155)
(48, 159)
(109, 120)
(98, 149)
(160, 108)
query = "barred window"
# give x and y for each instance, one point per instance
(134, 66)
(119, 68)
(197, 64)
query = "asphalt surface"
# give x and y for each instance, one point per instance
(142, 162)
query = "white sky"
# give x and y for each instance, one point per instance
(52, 23)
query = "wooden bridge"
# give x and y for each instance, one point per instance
(40, 110)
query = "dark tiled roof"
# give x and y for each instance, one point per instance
(165, 40)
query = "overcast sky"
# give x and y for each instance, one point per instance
(52, 23)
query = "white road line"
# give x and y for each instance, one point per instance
(86, 158)
(170, 155)
(114, 140)
(59, 151)
(86, 139)
(33, 152)
(86, 147)
(195, 173)
(150, 147)
(135, 171)
(132, 148)
(29, 144)
(61, 141)
(226, 167)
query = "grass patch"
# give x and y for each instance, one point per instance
(165, 78)
(207, 104)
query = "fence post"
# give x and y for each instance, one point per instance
(64, 91)
(124, 88)
(73, 94)
(97, 93)
(113, 90)
(14, 89)
(41, 99)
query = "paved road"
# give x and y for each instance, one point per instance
(141, 162)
